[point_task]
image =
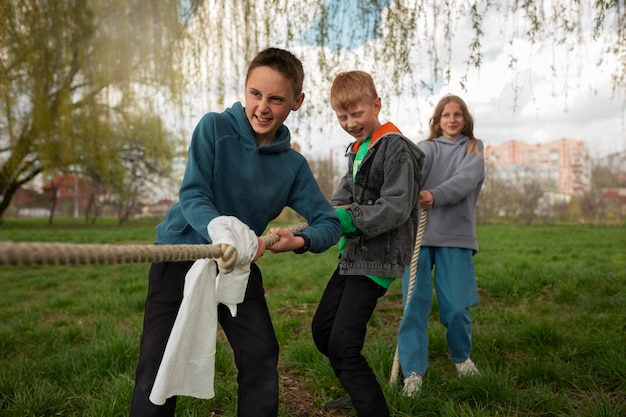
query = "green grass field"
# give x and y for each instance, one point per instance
(549, 332)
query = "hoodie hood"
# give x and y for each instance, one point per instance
(239, 121)
(461, 140)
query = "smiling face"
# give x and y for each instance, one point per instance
(361, 119)
(452, 121)
(270, 97)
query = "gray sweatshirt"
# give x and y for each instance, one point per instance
(455, 178)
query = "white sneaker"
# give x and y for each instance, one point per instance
(466, 368)
(412, 385)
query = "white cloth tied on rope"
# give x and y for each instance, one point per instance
(188, 364)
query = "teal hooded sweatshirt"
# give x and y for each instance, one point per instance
(228, 174)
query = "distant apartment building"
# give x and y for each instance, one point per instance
(563, 165)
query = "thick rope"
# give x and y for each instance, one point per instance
(395, 367)
(41, 253)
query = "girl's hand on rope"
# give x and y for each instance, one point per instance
(286, 240)
(260, 249)
(426, 200)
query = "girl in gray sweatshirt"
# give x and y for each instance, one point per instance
(453, 175)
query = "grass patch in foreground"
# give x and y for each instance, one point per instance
(549, 332)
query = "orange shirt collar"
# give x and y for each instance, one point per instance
(378, 133)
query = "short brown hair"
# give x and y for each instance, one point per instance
(282, 61)
(350, 88)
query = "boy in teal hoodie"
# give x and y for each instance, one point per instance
(240, 164)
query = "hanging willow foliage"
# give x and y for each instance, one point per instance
(410, 46)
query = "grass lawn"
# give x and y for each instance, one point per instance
(549, 332)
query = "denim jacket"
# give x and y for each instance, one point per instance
(382, 202)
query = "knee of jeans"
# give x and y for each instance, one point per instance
(320, 339)
(457, 315)
(265, 353)
(339, 350)
(321, 347)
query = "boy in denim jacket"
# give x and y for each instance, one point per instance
(376, 204)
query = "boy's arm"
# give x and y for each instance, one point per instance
(195, 195)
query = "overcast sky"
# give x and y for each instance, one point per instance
(581, 105)
(552, 93)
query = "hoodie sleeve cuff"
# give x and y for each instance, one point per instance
(347, 224)
(307, 243)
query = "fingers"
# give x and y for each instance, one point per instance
(226, 263)
(426, 200)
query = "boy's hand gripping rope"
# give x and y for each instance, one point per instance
(395, 368)
(42, 253)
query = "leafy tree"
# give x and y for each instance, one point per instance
(71, 70)
(491, 205)
(531, 192)
(596, 206)
(511, 194)
(146, 153)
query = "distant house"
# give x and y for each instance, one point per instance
(29, 203)
(615, 194)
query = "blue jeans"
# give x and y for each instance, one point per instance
(339, 328)
(251, 336)
(455, 287)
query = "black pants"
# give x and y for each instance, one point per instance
(339, 328)
(251, 336)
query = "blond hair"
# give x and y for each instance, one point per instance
(350, 88)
